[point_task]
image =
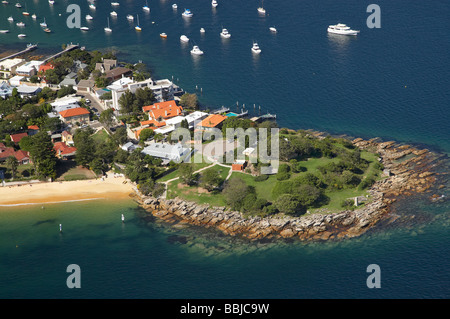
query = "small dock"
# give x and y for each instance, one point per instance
(267, 116)
(223, 109)
(69, 47)
(30, 47)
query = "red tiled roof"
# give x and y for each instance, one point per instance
(166, 113)
(63, 149)
(33, 127)
(17, 137)
(154, 123)
(21, 155)
(74, 112)
(160, 105)
(46, 67)
(7, 152)
(213, 120)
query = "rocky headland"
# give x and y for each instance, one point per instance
(407, 171)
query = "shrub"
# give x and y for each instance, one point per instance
(261, 178)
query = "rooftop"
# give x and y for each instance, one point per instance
(74, 112)
(213, 120)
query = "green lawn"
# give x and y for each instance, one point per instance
(263, 189)
(100, 136)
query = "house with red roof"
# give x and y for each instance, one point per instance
(22, 157)
(63, 151)
(163, 110)
(17, 137)
(33, 129)
(78, 114)
(211, 121)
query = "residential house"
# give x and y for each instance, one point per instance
(32, 129)
(17, 137)
(118, 73)
(8, 67)
(106, 65)
(67, 138)
(22, 157)
(44, 67)
(129, 147)
(211, 121)
(5, 90)
(29, 69)
(69, 80)
(85, 86)
(74, 115)
(163, 110)
(167, 152)
(63, 151)
(28, 91)
(195, 118)
(16, 80)
(163, 90)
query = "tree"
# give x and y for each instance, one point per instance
(26, 143)
(235, 191)
(85, 147)
(145, 135)
(65, 90)
(186, 171)
(107, 117)
(189, 101)
(126, 101)
(210, 179)
(43, 155)
(120, 136)
(11, 163)
(143, 97)
(289, 204)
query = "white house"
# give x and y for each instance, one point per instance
(29, 69)
(8, 67)
(5, 90)
(167, 152)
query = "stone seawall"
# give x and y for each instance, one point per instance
(407, 170)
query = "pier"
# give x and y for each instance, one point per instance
(30, 47)
(69, 47)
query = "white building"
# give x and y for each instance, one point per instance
(8, 67)
(29, 69)
(161, 89)
(167, 152)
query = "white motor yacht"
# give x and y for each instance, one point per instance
(89, 17)
(21, 35)
(196, 50)
(174, 6)
(84, 29)
(4, 31)
(33, 16)
(92, 6)
(202, 30)
(51, 2)
(18, 5)
(342, 29)
(11, 19)
(115, 4)
(113, 13)
(214, 3)
(225, 34)
(187, 13)
(130, 17)
(255, 48)
(20, 24)
(261, 9)
(273, 29)
(184, 38)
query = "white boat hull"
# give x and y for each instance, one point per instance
(343, 32)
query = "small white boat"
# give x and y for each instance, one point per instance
(202, 30)
(187, 13)
(21, 35)
(184, 38)
(107, 29)
(25, 13)
(4, 31)
(146, 7)
(34, 17)
(113, 13)
(174, 6)
(51, 2)
(214, 3)
(261, 9)
(5, 2)
(342, 29)
(18, 5)
(130, 17)
(115, 4)
(255, 48)
(20, 24)
(43, 24)
(137, 27)
(225, 34)
(47, 30)
(196, 50)
(92, 6)
(84, 29)
(163, 35)
(10, 19)
(273, 29)
(89, 17)
(123, 218)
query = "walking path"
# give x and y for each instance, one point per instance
(164, 195)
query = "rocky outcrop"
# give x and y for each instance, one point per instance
(409, 172)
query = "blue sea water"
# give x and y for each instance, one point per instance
(390, 82)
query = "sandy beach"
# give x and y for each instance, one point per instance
(111, 187)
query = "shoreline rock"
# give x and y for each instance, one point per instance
(409, 173)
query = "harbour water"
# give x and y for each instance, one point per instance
(390, 82)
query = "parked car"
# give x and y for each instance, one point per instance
(88, 101)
